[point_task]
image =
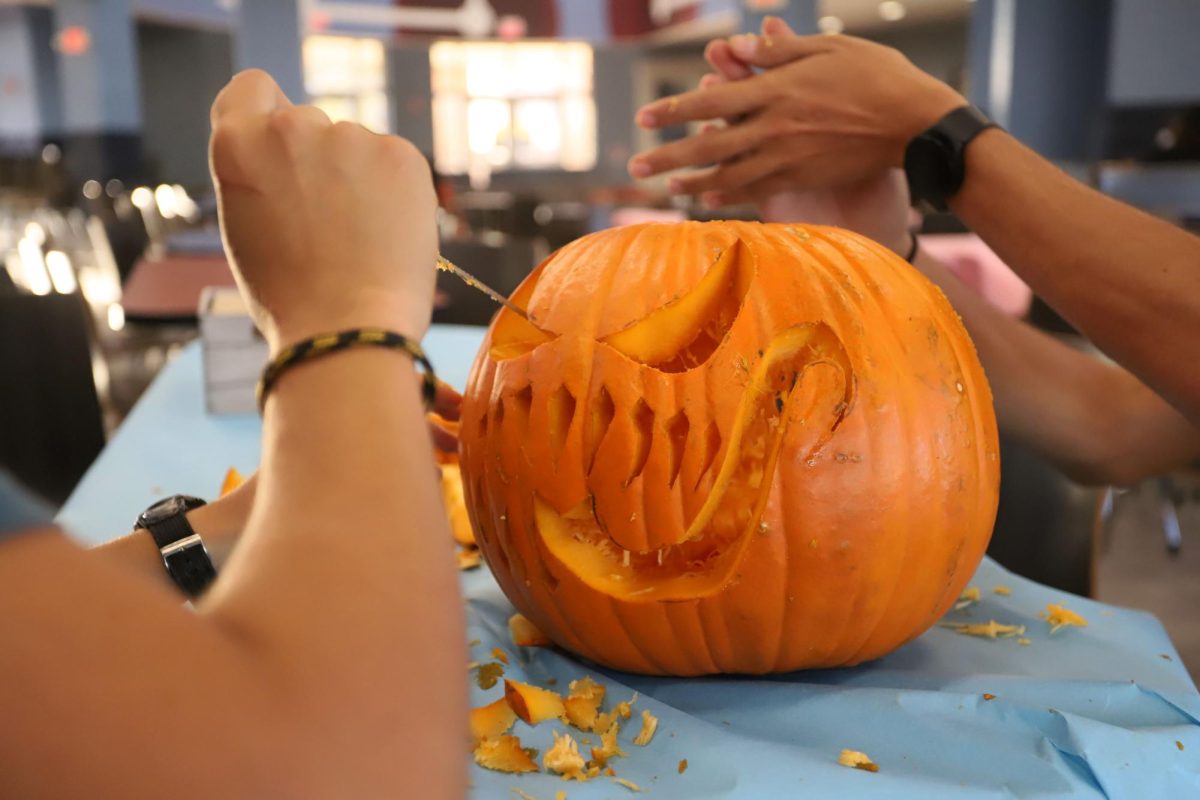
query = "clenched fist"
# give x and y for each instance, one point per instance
(328, 226)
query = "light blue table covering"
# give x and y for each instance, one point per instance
(1096, 712)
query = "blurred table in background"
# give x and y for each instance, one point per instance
(168, 289)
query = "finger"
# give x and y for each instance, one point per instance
(710, 80)
(722, 59)
(443, 440)
(776, 26)
(728, 175)
(251, 91)
(771, 51)
(726, 100)
(448, 402)
(719, 144)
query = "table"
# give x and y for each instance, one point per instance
(168, 289)
(1104, 711)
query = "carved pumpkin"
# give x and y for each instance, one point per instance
(729, 447)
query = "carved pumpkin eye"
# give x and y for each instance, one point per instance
(684, 333)
(787, 459)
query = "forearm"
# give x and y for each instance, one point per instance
(1129, 281)
(349, 583)
(1095, 421)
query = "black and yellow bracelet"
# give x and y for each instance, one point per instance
(326, 343)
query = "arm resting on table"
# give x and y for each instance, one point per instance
(327, 661)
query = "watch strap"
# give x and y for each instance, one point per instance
(183, 552)
(935, 160)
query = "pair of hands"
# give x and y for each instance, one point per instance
(817, 135)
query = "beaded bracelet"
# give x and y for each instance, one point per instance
(325, 343)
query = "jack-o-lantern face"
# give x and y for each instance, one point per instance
(718, 433)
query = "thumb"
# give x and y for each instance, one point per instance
(771, 51)
(250, 92)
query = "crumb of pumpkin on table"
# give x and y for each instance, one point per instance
(630, 785)
(505, 754)
(857, 760)
(564, 758)
(500, 655)
(1024, 642)
(1003, 591)
(989, 696)
(1059, 616)
(969, 596)
(524, 633)
(1179, 744)
(468, 558)
(486, 675)
(649, 726)
(682, 765)
(988, 630)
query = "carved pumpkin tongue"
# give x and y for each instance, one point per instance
(745, 467)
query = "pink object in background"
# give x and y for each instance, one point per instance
(974, 263)
(630, 215)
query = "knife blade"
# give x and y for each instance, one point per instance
(446, 265)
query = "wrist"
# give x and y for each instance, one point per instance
(392, 316)
(928, 107)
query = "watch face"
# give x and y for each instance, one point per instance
(929, 164)
(169, 507)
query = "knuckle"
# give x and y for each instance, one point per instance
(286, 123)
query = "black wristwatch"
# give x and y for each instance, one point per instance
(934, 161)
(183, 553)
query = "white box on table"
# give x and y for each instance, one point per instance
(234, 352)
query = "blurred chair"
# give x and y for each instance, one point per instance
(1046, 525)
(51, 427)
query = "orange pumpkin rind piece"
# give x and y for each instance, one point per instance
(649, 726)
(533, 704)
(524, 633)
(857, 760)
(1060, 616)
(504, 754)
(564, 758)
(456, 505)
(491, 721)
(233, 479)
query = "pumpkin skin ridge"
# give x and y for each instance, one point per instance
(970, 373)
(951, 591)
(834, 300)
(726, 643)
(896, 566)
(974, 379)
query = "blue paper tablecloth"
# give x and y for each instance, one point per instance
(1104, 711)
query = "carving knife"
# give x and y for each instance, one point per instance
(470, 280)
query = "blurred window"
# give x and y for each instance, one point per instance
(346, 78)
(501, 106)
